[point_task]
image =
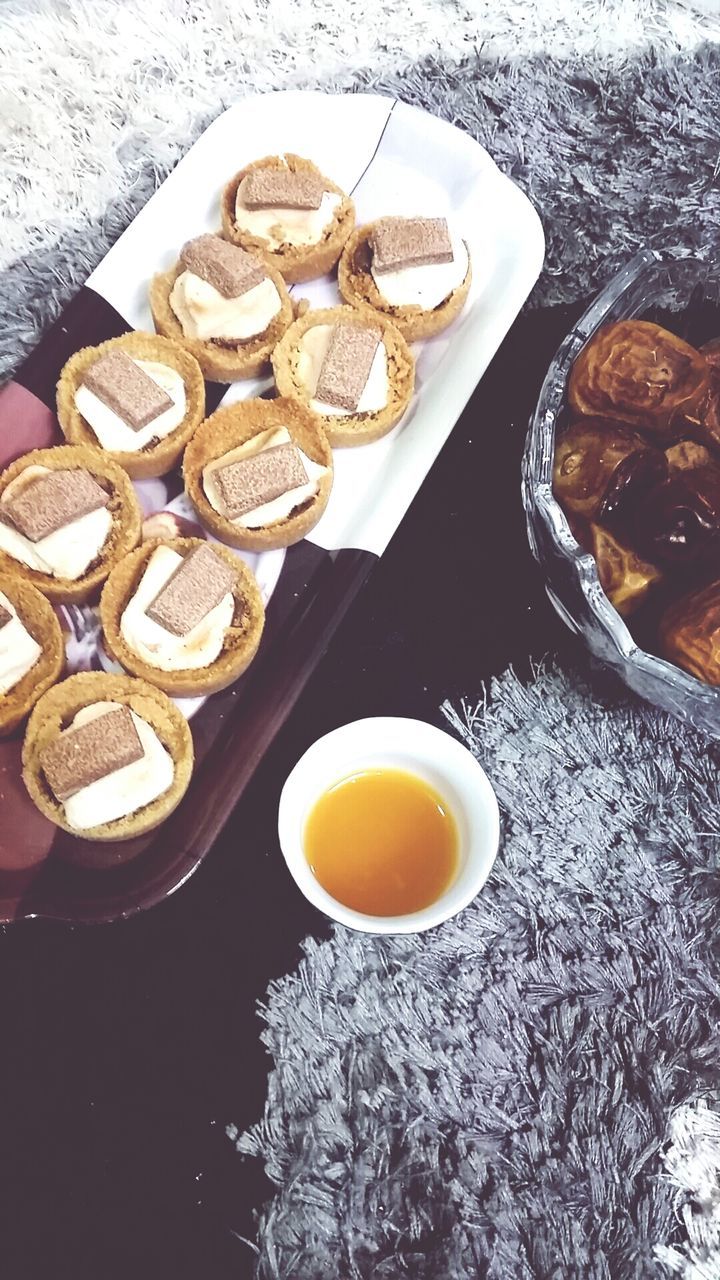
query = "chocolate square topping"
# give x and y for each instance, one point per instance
(281, 189)
(251, 482)
(229, 269)
(5, 616)
(410, 242)
(126, 389)
(196, 587)
(85, 754)
(52, 501)
(345, 370)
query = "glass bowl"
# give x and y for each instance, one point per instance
(683, 294)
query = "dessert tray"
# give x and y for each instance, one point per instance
(392, 159)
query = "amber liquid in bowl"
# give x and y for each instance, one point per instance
(383, 842)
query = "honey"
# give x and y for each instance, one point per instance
(383, 842)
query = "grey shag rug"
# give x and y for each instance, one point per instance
(527, 1092)
(618, 150)
(492, 1098)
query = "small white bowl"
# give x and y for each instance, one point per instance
(395, 743)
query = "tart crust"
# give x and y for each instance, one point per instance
(241, 639)
(230, 427)
(39, 618)
(357, 287)
(123, 507)
(221, 361)
(57, 708)
(353, 429)
(158, 458)
(295, 262)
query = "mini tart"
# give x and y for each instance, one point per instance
(155, 459)
(294, 262)
(55, 712)
(241, 639)
(221, 360)
(39, 618)
(358, 287)
(359, 428)
(123, 507)
(231, 427)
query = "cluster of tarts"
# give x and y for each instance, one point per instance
(109, 756)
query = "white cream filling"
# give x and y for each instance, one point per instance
(280, 226)
(126, 790)
(18, 651)
(160, 648)
(425, 287)
(67, 552)
(204, 313)
(280, 508)
(311, 353)
(110, 429)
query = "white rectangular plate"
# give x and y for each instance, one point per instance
(392, 158)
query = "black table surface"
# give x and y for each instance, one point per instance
(127, 1049)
